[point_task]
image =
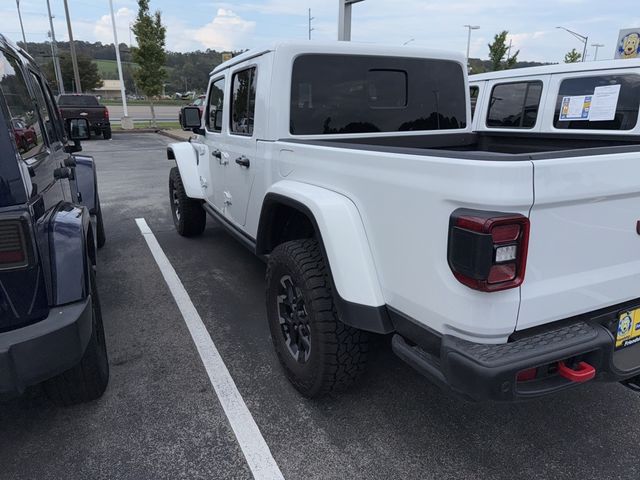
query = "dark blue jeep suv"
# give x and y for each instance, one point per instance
(50, 228)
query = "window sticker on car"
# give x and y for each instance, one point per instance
(604, 103)
(575, 108)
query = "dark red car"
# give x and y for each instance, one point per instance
(25, 136)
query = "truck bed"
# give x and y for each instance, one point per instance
(490, 146)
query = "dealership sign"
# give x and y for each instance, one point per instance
(628, 45)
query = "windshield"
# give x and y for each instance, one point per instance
(78, 101)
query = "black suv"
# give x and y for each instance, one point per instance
(50, 227)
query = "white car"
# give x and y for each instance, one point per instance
(501, 263)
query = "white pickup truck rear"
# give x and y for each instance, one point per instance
(504, 266)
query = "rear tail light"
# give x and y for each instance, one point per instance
(13, 245)
(106, 113)
(488, 250)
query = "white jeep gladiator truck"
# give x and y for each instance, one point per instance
(506, 267)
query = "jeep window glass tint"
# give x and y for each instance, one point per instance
(387, 88)
(215, 106)
(362, 94)
(243, 101)
(473, 95)
(56, 122)
(27, 130)
(514, 105)
(45, 115)
(626, 114)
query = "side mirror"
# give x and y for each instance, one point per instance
(190, 119)
(78, 129)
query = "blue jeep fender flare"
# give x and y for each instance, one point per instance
(71, 253)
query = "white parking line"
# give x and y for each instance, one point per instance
(253, 445)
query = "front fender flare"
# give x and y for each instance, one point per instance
(87, 183)
(187, 157)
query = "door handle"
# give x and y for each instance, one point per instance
(217, 154)
(243, 161)
(62, 172)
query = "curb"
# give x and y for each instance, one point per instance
(171, 135)
(135, 130)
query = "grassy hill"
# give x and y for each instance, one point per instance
(108, 69)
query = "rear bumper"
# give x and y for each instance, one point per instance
(101, 125)
(37, 352)
(482, 372)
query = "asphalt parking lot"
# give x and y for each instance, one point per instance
(161, 419)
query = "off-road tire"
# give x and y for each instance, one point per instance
(190, 219)
(338, 353)
(106, 133)
(88, 380)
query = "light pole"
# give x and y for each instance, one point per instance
(310, 28)
(582, 38)
(470, 27)
(54, 50)
(596, 46)
(72, 48)
(125, 122)
(344, 19)
(24, 39)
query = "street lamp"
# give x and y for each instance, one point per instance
(24, 39)
(582, 38)
(597, 46)
(470, 27)
(344, 19)
(125, 122)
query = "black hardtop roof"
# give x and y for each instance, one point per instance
(8, 45)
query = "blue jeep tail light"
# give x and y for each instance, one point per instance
(13, 245)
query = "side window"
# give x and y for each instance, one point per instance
(26, 128)
(473, 95)
(45, 113)
(214, 106)
(243, 101)
(514, 105)
(53, 108)
(605, 102)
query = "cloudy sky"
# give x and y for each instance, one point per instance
(239, 24)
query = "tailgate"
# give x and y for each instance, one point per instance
(90, 113)
(584, 246)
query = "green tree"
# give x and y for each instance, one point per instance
(572, 57)
(89, 76)
(149, 54)
(498, 50)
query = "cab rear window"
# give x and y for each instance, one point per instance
(333, 94)
(603, 102)
(78, 101)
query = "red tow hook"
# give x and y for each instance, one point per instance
(584, 372)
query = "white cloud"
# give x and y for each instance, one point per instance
(522, 40)
(227, 31)
(103, 29)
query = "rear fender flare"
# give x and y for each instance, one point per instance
(342, 235)
(68, 228)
